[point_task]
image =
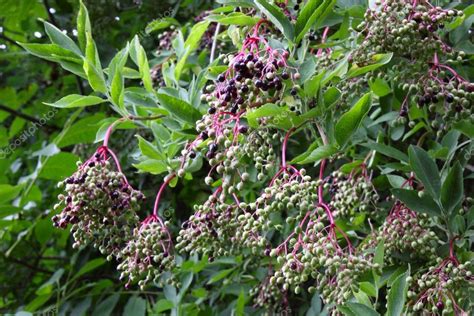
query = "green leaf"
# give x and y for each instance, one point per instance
(163, 305)
(179, 108)
(220, 275)
(350, 121)
(8, 192)
(61, 39)
(116, 69)
(82, 132)
(465, 127)
(425, 170)
(83, 25)
(59, 166)
(240, 304)
(51, 52)
(149, 150)
(92, 66)
(160, 24)
(76, 101)
(266, 110)
(412, 200)
(90, 266)
(107, 306)
(234, 18)
(312, 15)
(319, 153)
(138, 55)
(311, 86)
(276, 16)
(397, 295)
(387, 151)
(378, 61)
(453, 188)
(136, 306)
(152, 166)
(356, 309)
(190, 45)
(379, 87)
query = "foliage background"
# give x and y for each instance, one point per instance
(39, 269)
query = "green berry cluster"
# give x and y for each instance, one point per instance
(351, 194)
(269, 296)
(406, 236)
(407, 30)
(100, 205)
(147, 255)
(210, 230)
(259, 146)
(434, 292)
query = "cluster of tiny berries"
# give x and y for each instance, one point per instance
(406, 235)
(434, 292)
(210, 230)
(100, 205)
(147, 255)
(408, 29)
(351, 194)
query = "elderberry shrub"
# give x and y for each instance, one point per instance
(147, 255)
(350, 194)
(100, 205)
(406, 236)
(442, 290)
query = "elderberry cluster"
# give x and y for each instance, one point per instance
(210, 230)
(350, 194)
(269, 296)
(434, 292)
(147, 255)
(404, 28)
(100, 205)
(406, 235)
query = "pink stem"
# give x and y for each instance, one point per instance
(158, 196)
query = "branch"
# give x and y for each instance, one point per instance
(214, 43)
(26, 117)
(9, 40)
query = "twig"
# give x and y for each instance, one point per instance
(214, 42)
(26, 117)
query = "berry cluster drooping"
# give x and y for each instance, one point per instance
(443, 289)
(100, 205)
(147, 255)
(211, 229)
(406, 236)
(350, 194)
(406, 28)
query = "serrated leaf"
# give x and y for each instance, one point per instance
(412, 200)
(425, 170)
(136, 306)
(350, 121)
(59, 166)
(61, 39)
(234, 18)
(77, 101)
(378, 61)
(160, 24)
(312, 15)
(90, 266)
(387, 151)
(179, 108)
(397, 295)
(138, 56)
(453, 188)
(51, 52)
(319, 153)
(357, 309)
(83, 25)
(276, 16)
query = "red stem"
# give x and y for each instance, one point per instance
(158, 196)
(283, 150)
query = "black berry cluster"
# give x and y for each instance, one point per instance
(100, 205)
